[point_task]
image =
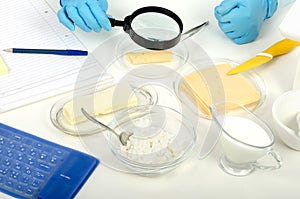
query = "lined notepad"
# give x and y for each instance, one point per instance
(3, 67)
(32, 77)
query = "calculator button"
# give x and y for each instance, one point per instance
(28, 170)
(43, 156)
(17, 166)
(22, 148)
(3, 171)
(20, 157)
(25, 179)
(7, 162)
(40, 175)
(19, 188)
(9, 183)
(14, 175)
(44, 167)
(2, 141)
(29, 191)
(27, 141)
(53, 160)
(9, 153)
(36, 183)
(58, 153)
(30, 161)
(12, 145)
(33, 152)
(17, 138)
(38, 145)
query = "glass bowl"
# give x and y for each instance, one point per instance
(145, 95)
(254, 79)
(162, 139)
(125, 45)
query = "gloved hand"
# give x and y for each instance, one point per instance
(241, 20)
(86, 14)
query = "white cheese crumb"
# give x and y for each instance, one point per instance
(153, 150)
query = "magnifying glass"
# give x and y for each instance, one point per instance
(154, 28)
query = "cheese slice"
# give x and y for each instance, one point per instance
(150, 56)
(3, 67)
(212, 85)
(100, 103)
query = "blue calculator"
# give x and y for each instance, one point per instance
(31, 167)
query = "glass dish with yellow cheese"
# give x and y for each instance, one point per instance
(209, 84)
(147, 63)
(101, 102)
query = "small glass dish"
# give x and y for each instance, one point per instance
(145, 96)
(253, 78)
(125, 45)
(162, 139)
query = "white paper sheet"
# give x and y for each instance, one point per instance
(32, 77)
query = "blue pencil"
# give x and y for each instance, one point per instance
(66, 52)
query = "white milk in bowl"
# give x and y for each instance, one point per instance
(244, 140)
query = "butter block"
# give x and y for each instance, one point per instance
(212, 85)
(150, 56)
(100, 103)
(3, 67)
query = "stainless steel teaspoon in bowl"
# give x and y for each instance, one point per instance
(123, 137)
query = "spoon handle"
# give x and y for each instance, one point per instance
(92, 119)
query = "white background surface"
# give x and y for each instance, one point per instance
(195, 178)
(289, 27)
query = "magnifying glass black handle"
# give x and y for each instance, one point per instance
(125, 24)
(115, 22)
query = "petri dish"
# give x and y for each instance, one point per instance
(146, 95)
(253, 78)
(125, 45)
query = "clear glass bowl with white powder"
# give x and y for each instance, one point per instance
(162, 139)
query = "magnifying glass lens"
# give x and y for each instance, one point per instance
(154, 26)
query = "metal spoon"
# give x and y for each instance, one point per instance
(123, 137)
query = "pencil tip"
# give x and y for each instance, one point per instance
(7, 50)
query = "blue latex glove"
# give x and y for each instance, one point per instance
(241, 20)
(86, 14)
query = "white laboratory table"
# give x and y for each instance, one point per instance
(195, 178)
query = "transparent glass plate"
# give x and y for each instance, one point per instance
(180, 55)
(255, 80)
(145, 96)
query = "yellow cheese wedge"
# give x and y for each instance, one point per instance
(3, 67)
(212, 85)
(150, 56)
(103, 102)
